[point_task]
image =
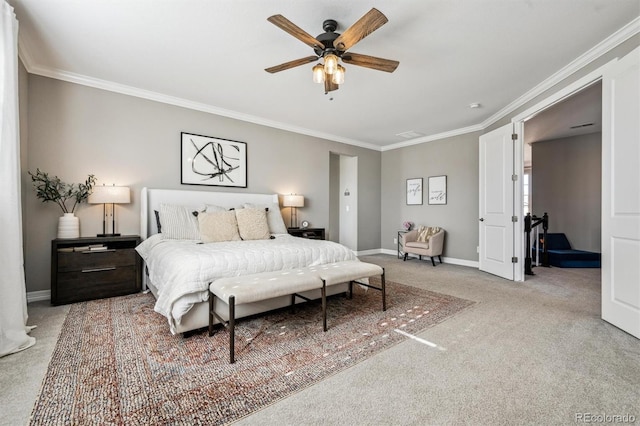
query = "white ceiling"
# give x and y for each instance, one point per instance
(211, 55)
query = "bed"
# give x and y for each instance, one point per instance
(178, 271)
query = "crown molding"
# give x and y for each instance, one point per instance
(176, 101)
(615, 39)
(620, 36)
(431, 138)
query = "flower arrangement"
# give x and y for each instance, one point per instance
(53, 189)
(407, 225)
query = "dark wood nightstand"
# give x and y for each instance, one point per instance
(89, 268)
(311, 233)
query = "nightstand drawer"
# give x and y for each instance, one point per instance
(78, 261)
(113, 268)
(96, 283)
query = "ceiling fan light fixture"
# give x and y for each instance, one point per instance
(318, 73)
(330, 63)
(338, 75)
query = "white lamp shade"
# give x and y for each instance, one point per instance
(110, 194)
(293, 201)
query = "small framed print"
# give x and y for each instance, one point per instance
(414, 191)
(213, 161)
(438, 190)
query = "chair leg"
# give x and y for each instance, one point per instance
(405, 257)
(433, 262)
(384, 290)
(439, 258)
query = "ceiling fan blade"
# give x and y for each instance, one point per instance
(288, 26)
(372, 62)
(330, 86)
(291, 64)
(370, 22)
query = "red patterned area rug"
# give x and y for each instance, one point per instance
(116, 362)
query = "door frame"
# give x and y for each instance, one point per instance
(518, 123)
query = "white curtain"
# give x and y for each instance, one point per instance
(13, 298)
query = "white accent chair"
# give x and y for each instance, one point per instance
(432, 247)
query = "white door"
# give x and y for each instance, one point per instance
(621, 194)
(496, 202)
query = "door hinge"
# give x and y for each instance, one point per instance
(514, 218)
(514, 178)
(514, 136)
(514, 260)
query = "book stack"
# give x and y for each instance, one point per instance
(97, 247)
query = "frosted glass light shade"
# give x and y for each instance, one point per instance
(338, 75)
(293, 201)
(330, 63)
(110, 195)
(318, 74)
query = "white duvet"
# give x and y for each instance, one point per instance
(182, 270)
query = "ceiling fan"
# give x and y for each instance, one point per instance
(332, 47)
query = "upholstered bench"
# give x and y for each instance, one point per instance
(266, 285)
(350, 271)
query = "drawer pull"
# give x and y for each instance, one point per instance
(108, 268)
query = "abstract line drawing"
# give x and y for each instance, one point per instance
(213, 161)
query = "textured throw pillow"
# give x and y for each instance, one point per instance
(274, 217)
(178, 222)
(218, 227)
(426, 232)
(252, 224)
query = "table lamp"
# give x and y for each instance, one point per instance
(294, 201)
(109, 195)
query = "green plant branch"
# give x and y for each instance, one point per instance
(53, 189)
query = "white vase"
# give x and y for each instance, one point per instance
(68, 226)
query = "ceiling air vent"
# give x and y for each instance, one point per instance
(410, 134)
(581, 125)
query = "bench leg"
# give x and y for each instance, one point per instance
(211, 296)
(384, 291)
(324, 305)
(232, 326)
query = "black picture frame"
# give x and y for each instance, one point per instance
(211, 161)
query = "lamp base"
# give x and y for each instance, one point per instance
(108, 235)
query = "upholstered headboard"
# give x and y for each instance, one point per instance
(152, 198)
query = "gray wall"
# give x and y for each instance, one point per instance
(434, 158)
(567, 184)
(455, 157)
(75, 130)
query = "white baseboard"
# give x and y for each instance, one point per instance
(368, 252)
(36, 296)
(451, 260)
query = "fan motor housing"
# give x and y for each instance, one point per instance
(327, 38)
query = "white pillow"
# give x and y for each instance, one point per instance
(210, 208)
(252, 224)
(178, 222)
(274, 217)
(218, 226)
